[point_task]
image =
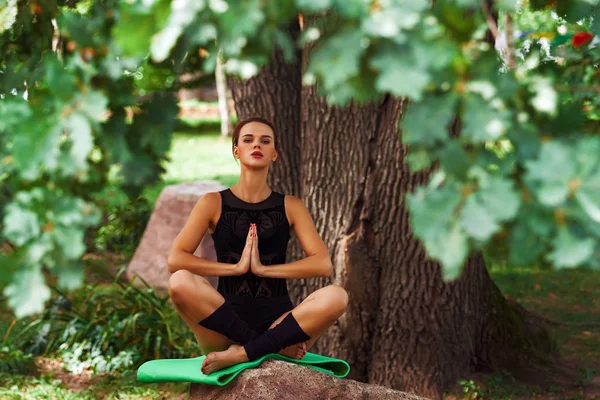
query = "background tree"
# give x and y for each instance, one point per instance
(405, 327)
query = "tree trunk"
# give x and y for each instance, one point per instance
(221, 81)
(404, 327)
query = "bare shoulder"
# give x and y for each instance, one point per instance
(209, 199)
(304, 226)
(199, 220)
(294, 206)
(211, 203)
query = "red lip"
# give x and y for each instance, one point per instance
(257, 153)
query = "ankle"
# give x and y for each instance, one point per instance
(240, 352)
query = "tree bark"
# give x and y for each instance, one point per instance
(405, 327)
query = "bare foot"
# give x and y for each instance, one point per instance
(296, 351)
(220, 359)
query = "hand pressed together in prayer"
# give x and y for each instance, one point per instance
(250, 259)
(255, 265)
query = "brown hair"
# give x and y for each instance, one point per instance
(238, 127)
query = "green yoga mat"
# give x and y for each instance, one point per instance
(188, 369)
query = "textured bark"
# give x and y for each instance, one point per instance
(404, 327)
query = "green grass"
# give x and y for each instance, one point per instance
(197, 157)
(113, 386)
(205, 156)
(568, 295)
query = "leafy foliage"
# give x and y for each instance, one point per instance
(63, 127)
(15, 361)
(106, 328)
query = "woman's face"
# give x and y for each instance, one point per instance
(256, 145)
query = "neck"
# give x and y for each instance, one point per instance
(252, 185)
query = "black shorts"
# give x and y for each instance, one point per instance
(260, 312)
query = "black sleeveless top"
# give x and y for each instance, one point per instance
(230, 238)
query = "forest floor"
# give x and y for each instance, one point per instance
(568, 296)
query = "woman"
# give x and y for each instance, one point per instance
(251, 314)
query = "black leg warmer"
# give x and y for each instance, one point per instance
(287, 333)
(225, 321)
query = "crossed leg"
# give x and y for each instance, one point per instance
(318, 311)
(194, 299)
(315, 315)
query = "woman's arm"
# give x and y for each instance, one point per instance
(318, 261)
(185, 244)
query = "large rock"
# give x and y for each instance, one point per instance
(282, 380)
(170, 214)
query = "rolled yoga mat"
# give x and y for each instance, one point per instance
(188, 369)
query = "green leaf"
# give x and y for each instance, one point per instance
(92, 103)
(495, 201)
(506, 5)
(570, 250)
(114, 140)
(70, 240)
(434, 54)
(183, 13)
(336, 59)
(595, 13)
(391, 20)
(399, 74)
(133, 33)
(525, 245)
(466, 3)
(432, 219)
(60, 81)
(452, 251)
(13, 111)
(8, 15)
(20, 224)
(431, 211)
(38, 249)
(550, 173)
(70, 277)
(420, 125)
(28, 291)
(499, 198)
(418, 158)
(483, 123)
(476, 221)
(546, 99)
(36, 146)
(80, 133)
(454, 160)
(313, 5)
(588, 196)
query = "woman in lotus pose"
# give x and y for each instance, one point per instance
(251, 314)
